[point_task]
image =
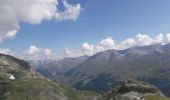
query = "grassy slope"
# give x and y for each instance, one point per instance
(39, 89)
(157, 98)
(29, 85)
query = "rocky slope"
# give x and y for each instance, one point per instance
(134, 90)
(19, 82)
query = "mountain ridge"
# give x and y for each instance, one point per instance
(134, 90)
(146, 63)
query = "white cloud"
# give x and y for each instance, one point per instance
(70, 13)
(11, 34)
(36, 53)
(143, 39)
(126, 44)
(70, 53)
(5, 51)
(48, 52)
(109, 43)
(167, 38)
(8, 35)
(13, 12)
(159, 38)
(104, 44)
(88, 49)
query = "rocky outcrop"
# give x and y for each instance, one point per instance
(132, 90)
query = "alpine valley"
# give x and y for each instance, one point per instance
(104, 70)
(137, 73)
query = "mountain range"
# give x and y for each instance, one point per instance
(106, 69)
(18, 81)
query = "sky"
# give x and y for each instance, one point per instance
(69, 28)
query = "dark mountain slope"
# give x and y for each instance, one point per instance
(107, 68)
(56, 69)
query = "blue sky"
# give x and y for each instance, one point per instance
(119, 19)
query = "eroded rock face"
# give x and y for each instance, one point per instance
(132, 90)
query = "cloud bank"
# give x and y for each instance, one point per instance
(36, 53)
(13, 12)
(110, 43)
(5, 51)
